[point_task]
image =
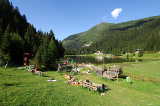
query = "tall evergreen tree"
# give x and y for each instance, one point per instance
(29, 38)
(5, 41)
(52, 54)
(4, 47)
(16, 49)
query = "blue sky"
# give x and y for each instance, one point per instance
(66, 17)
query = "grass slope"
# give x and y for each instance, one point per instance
(21, 88)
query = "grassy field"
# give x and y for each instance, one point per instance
(21, 88)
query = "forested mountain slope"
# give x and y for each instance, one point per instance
(122, 37)
(18, 36)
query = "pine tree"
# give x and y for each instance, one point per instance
(52, 54)
(38, 56)
(29, 38)
(61, 50)
(16, 49)
(5, 44)
(51, 35)
(1, 35)
(5, 41)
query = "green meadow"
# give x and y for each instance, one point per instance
(21, 88)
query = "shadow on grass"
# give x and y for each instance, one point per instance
(45, 75)
(10, 84)
(123, 76)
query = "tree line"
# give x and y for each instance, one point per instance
(18, 36)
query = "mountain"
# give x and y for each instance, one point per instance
(116, 38)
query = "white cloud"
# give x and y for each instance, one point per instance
(116, 12)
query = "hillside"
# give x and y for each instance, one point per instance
(121, 37)
(18, 36)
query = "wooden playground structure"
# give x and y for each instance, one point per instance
(34, 70)
(112, 72)
(86, 84)
(67, 67)
(31, 68)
